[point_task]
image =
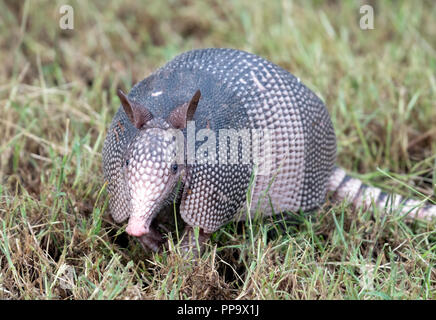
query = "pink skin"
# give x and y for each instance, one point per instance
(136, 227)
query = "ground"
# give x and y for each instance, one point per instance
(57, 98)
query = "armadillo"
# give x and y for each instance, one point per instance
(171, 136)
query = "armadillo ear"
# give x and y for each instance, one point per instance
(184, 113)
(137, 114)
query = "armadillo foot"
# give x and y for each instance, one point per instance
(153, 240)
(189, 242)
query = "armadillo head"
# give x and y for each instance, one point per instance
(154, 160)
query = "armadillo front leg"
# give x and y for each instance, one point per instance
(189, 241)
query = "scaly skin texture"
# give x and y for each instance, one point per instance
(222, 89)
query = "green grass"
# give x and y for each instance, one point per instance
(57, 98)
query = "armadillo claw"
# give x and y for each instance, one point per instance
(189, 242)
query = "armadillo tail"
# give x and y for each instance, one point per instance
(343, 187)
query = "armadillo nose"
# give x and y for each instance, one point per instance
(136, 228)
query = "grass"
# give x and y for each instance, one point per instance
(57, 98)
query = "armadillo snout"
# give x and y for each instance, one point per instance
(150, 173)
(137, 227)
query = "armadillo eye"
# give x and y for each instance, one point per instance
(127, 162)
(174, 168)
